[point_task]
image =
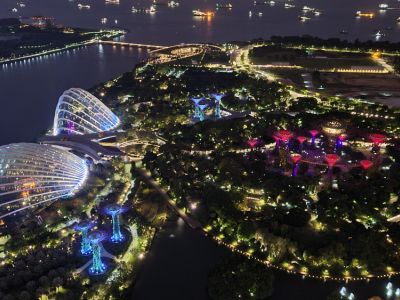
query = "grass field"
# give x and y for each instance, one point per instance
(314, 61)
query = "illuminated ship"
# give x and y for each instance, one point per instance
(365, 14)
(150, 10)
(228, 5)
(304, 18)
(115, 2)
(307, 8)
(83, 6)
(199, 13)
(173, 4)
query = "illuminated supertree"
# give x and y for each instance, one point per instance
(197, 111)
(339, 142)
(217, 101)
(202, 107)
(284, 138)
(331, 159)
(377, 139)
(366, 164)
(252, 143)
(296, 159)
(114, 210)
(313, 135)
(83, 227)
(97, 267)
(301, 140)
(284, 135)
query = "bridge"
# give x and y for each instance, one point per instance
(89, 144)
(135, 45)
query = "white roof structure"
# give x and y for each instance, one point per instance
(34, 174)
(79, 112)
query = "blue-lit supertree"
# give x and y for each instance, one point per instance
(83, 227)
(217, 100)
(202, 107)
(97, 267)
(114, 210)
(197, 112)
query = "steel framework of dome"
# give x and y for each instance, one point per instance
(34, 174)
(79, 112)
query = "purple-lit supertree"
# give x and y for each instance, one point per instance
(296, 159)
(83, 227)
(313, 133)
(217, 101)
(97, 267)
(114, 210)
(339, 141)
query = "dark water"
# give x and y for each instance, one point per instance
(176, 25)
(177, 265)
(29, 89)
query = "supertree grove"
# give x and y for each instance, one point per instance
(84, 227)
(97, 267)
(114, 210)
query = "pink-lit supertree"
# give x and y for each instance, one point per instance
(284, 135)
(377, 139)
(331, 159)
(313, 133)
(284, 138)
(252, 143)
(296, 159)
(366, 164)
(301, 140)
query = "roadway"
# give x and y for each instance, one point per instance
(136, 45)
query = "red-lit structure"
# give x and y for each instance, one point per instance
(332, 159)
(296, 157)
(377, 138)
(284, 135)
(366, 164)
